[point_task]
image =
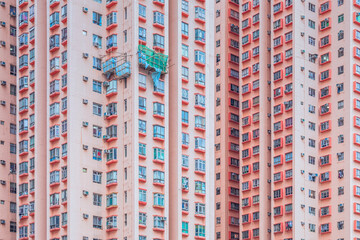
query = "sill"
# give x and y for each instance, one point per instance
(185, 58)
(111, 26)
(23, 4)
(23, 25)
(54, 206)
(54, 184)
(200, 172)
(111, 184)
(141, 42)
(142, 134)
(185, 190)
(23, 47)
(199, 107)
(142, 111)
(23, 132)
(159, 139)
(55, 27)
(111, 161)
(200, 194)
(23, 196)
(54, 49)
(199, 20)
(160, 49)
(199, 150)
(142, 19)
(23, 111)
(54, 4)
(64, 89)
(55, 71)
(55, 161)
(185, 212)
(159, 3)
(157, 206)
(185, 146)
(142, 180)
(158, 116)
(158, 161)
(64, 43)
(184, 124)
(111, 4)
(142, 226)
(111, 94)
(64, 157)
(184, 36)
(158, 25)
(111, 139)
(24, 175)
(159, 184)
(159, 229)
(54, 116)
(111, 207)
(23, 68)
(142, 157)
(32, 41)
(184, 14)
(111, 229)
(64, 203)
(200, 129)
(200, 42)
(54, 94)
(142, 203)
(185, 168)
(23, 154)
(64, 66)
(199, 85)
(54, 229)
(159, 94)
(184, 80)
(185, 102)
(64, 180)
(64, 20)
(200, 64)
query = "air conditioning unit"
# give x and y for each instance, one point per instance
(2, 63)
(85, 101)
(2, 4)
(302, 205)
(302, 120)
(106, 114)
(269, 197)
(3, 103)
(269, 114)
(85, 238)
(106, 151)
(269, 82)
(269, 65)
(106, 84)
(85, 79)
(269, 230)
(2, 182)
(302, 16)
(269, 164)
(302, 51)
(106, 137)
(269, 213)
(302, 189)
(85, 55)
(12, 14)
(2, 43)
(269, 98)
(85, 147)
(269, 180)
(302, 223)
(302, 171)
(2, 162)
(85, 124)
(268, 32)
(302, 154)
(85, 9)
(302, 68)
(163, 218)
(269, 49)
(269, 148)
(85, 193)
(2, 23)
(302, 34)
(269, 131)
(3, 83)
(85, 216)
(302, 137)
(2, 221)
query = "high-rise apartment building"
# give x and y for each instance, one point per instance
(179, 119)
(8, 119)
(98, 157)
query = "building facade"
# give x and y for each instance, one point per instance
(8, 119)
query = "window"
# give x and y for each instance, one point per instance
(158, 18)
(97, 222)
(97, 18)
(142, 11)
(97, 199)
(97, 177)
(97, 41)
(97, 86)
(97, 109)
(97, 63)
